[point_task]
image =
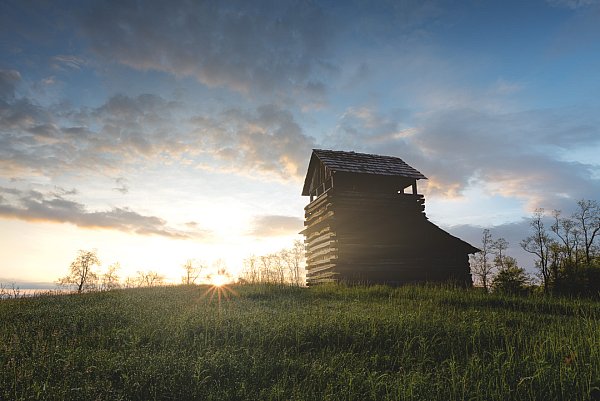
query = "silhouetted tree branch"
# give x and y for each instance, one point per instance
(192, 271)
(588, 217)
(539, 244)
(481, 267)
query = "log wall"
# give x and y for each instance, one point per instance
(360, 237)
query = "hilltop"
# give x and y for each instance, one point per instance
(267, 342)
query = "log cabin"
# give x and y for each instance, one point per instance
(366, 223)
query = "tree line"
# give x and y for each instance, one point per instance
(565, 247)
(283, 267)
(566, 250)
(84, 275)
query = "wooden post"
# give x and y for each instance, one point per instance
(414, 187)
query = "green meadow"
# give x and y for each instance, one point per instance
(282, 343)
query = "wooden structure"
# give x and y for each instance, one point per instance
(362, 226)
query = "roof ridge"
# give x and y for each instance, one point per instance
(368, 163)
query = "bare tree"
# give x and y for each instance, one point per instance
(9, 291)
(130, 282)
(149, 279)
(278, 266)
(192, 271)
(110, 279)
(588, 218)
(568, 233)
(539, 243)
(294, 260)
(251, 271)
(481, 266)
(499, 248)
(81, 274)
(283, 267)
(267, 272)
(156, 279)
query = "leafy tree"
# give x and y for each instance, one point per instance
(567, 255)
(511, 279)
(81, 274)
(482, 268)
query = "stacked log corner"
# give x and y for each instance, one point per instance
(358, 237)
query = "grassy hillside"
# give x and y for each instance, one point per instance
(333, 343)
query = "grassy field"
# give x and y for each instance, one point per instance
(273, 343)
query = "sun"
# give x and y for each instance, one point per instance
(219, 280)
(218, 285)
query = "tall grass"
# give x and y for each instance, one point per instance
(274, 343)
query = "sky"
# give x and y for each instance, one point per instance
(157, 132)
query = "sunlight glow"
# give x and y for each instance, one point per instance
(221, 290)
(219, 280)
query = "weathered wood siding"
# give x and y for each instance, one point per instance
(371, 237)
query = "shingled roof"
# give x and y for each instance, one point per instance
(366, 163)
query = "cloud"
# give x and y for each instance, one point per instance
(8, 83)
(513, 232)
(518, 154)
(266, 46)
(275, 225)
(132, 127)
(514, 154)
(122, 186)
(54, 140)
(67, 62)
(267, 141)
(48, 81)
(367, 127)
(573, 4)
(128, 130)
(504, 87)
(580, 33)
(60, 191)
(31, 136)
(55, 207)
